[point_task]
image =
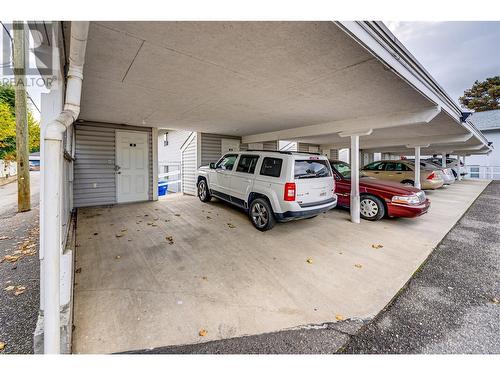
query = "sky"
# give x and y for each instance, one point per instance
(454, 53)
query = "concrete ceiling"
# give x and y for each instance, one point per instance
(246, 79)
(235, 78)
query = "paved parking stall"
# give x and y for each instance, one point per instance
(160, 273)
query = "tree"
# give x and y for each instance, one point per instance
(483, 96)
(8, 125)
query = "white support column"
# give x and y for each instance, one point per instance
(355, 179)
(354, 161)
(417, 167)
(443, 159)
(416, 178)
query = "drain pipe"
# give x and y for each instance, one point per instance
(52, 182)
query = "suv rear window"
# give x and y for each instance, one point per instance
(271, 167)
(312, 169)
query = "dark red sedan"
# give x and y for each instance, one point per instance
(379, 198)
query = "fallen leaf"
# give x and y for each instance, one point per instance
(231, 225)
(129, 240)
(377, 246)
(96, 233)
(155, 219)
(208, 217)
(124, 229)
(309, 260)
(2, 345)
(12, 258)
(117, 257)
(78, 270)
(9, 288)
(119, 235)
(495, 301)
(339, 317)
(19, 290)
(358, 265)
(204, 278)
(177, 214)
(202, 332)
(170, 239)
(4, 238)
(167, 220)
(154, 225)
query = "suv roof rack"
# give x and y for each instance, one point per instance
(284, 152)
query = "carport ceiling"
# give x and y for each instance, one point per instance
(237, 78)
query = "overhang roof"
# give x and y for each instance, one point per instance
(247, 78)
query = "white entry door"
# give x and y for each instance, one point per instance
(131, 167)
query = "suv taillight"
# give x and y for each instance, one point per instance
(289, 191)
(431, 176)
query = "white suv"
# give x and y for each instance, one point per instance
(270, 185)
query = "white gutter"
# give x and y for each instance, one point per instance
(52, 182)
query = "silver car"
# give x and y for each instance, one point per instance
(445, 173)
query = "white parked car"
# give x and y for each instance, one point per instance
(271, 185)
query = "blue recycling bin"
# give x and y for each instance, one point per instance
(162, 188)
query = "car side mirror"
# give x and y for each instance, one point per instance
(212, 165)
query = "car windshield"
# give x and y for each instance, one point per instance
(343, 168)
(311, 169)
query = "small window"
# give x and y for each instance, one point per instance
(165, 139)
(165, 169)
(227, 162)
(311, 169)
(271, 167)
(377, 166)
(247, 164)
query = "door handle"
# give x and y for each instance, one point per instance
(117, 168)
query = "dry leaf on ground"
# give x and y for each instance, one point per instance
(339, 317)
(19, 290)
(170, 239)
(358, 265)
(9, 288)
(309, 260)
(495, 301)
(202, 332)
(117, 257)
(2, 345)
(231, 225)
(4, 238)
(119, 235)
(78, 270)
(377, 246)
(177, 214)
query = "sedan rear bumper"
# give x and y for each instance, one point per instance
(404, 210)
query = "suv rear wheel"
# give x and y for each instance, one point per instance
(261, 214)
(203, 192)
(371, 208)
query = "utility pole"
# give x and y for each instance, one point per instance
(22, 144)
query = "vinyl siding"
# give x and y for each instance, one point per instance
(266, 146)
(189, 167)
(171, 152)
(304, 147)
(95, 161)
(211, 147)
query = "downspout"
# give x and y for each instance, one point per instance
(53, 162)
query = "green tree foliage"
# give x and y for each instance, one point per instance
(483, 96)
(8, 125)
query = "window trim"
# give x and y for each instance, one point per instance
(225, 156)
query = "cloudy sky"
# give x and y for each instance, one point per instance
(454, 53)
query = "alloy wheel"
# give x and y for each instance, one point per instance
(260, 216)
(202, 190)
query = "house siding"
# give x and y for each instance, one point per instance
(304, 147)
(211, 147)
(95, 161)
(189, 166)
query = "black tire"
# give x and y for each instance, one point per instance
(203, 191)
(408, 182)
(371, 208)
(261, 214)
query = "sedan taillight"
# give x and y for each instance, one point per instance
(289, 192)
(432, 176)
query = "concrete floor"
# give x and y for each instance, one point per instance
(137, 291)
